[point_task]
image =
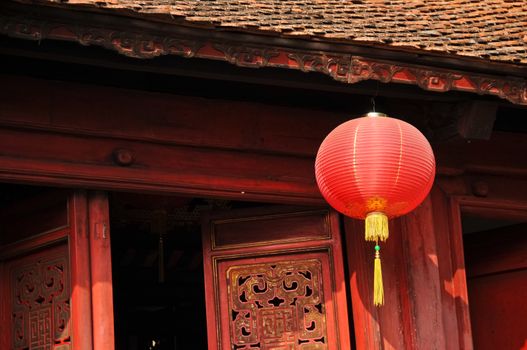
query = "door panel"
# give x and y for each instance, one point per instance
(39, 300)
(274, 280)
(49, 280)
(496, 263)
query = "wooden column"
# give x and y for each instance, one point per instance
(80, 267)
(101, 272)
(5, 321)
(422, 265)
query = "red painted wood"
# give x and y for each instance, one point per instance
(42, 240)
(47, 210)
(77, 151)
(101, 271)
(360, 262)
(496, 262)
(46, 273)
(66, 134)
(445, 251)
(423, 300)
(27, 245)
(326, 248)
(425, 284)
(309, 225)
(163, 118)
(76, 233)
(5, 322)
(458, 287)
(389, 326)
(502, 153)
(79, 161)
(80, 272)
(495, 268)
(498, 309)
(496, 251)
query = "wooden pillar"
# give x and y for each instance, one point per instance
(421, 269)
(5, 322)
(80, 271)
(101, 272)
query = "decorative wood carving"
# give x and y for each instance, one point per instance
(136, 42)
(137, 45)
(278, 294)
(246, 56)
(41, 302)
(277, 305)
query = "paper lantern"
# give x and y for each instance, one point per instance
(375, 168)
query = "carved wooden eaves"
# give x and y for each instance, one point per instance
(344, 67)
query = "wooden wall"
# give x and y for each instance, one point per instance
(74, 135)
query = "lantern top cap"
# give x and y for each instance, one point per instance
(375, 114)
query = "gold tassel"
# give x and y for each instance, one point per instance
(378, 289)
(376, 227)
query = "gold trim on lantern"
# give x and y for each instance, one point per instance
(375, 114)
(376, 227)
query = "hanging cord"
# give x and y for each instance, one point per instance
(372, 99)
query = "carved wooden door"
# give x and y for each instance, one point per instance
(55, 273)
(274, 280)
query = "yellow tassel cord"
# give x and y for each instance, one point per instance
(378, 289)
(376, 227)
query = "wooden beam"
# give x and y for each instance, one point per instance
(163, 118)
(73, 135)
(79, 161)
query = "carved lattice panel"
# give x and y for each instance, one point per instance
(40, 301)
(277, 306)
(274, 280)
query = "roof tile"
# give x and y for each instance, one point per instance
(489, 29)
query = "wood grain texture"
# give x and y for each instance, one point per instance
(309, 225)
(81, 303)
(66, 134)
(69, 160)
(425, 298)
(163, 118)
(101, 271)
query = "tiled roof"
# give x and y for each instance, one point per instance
(489, 29)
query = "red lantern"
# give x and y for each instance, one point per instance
(375, 168)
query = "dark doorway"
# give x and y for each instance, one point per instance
(157, 272)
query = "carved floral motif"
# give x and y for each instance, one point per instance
(41, 304)
(246, 56)
(277, 306)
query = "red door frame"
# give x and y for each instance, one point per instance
(496, 207)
